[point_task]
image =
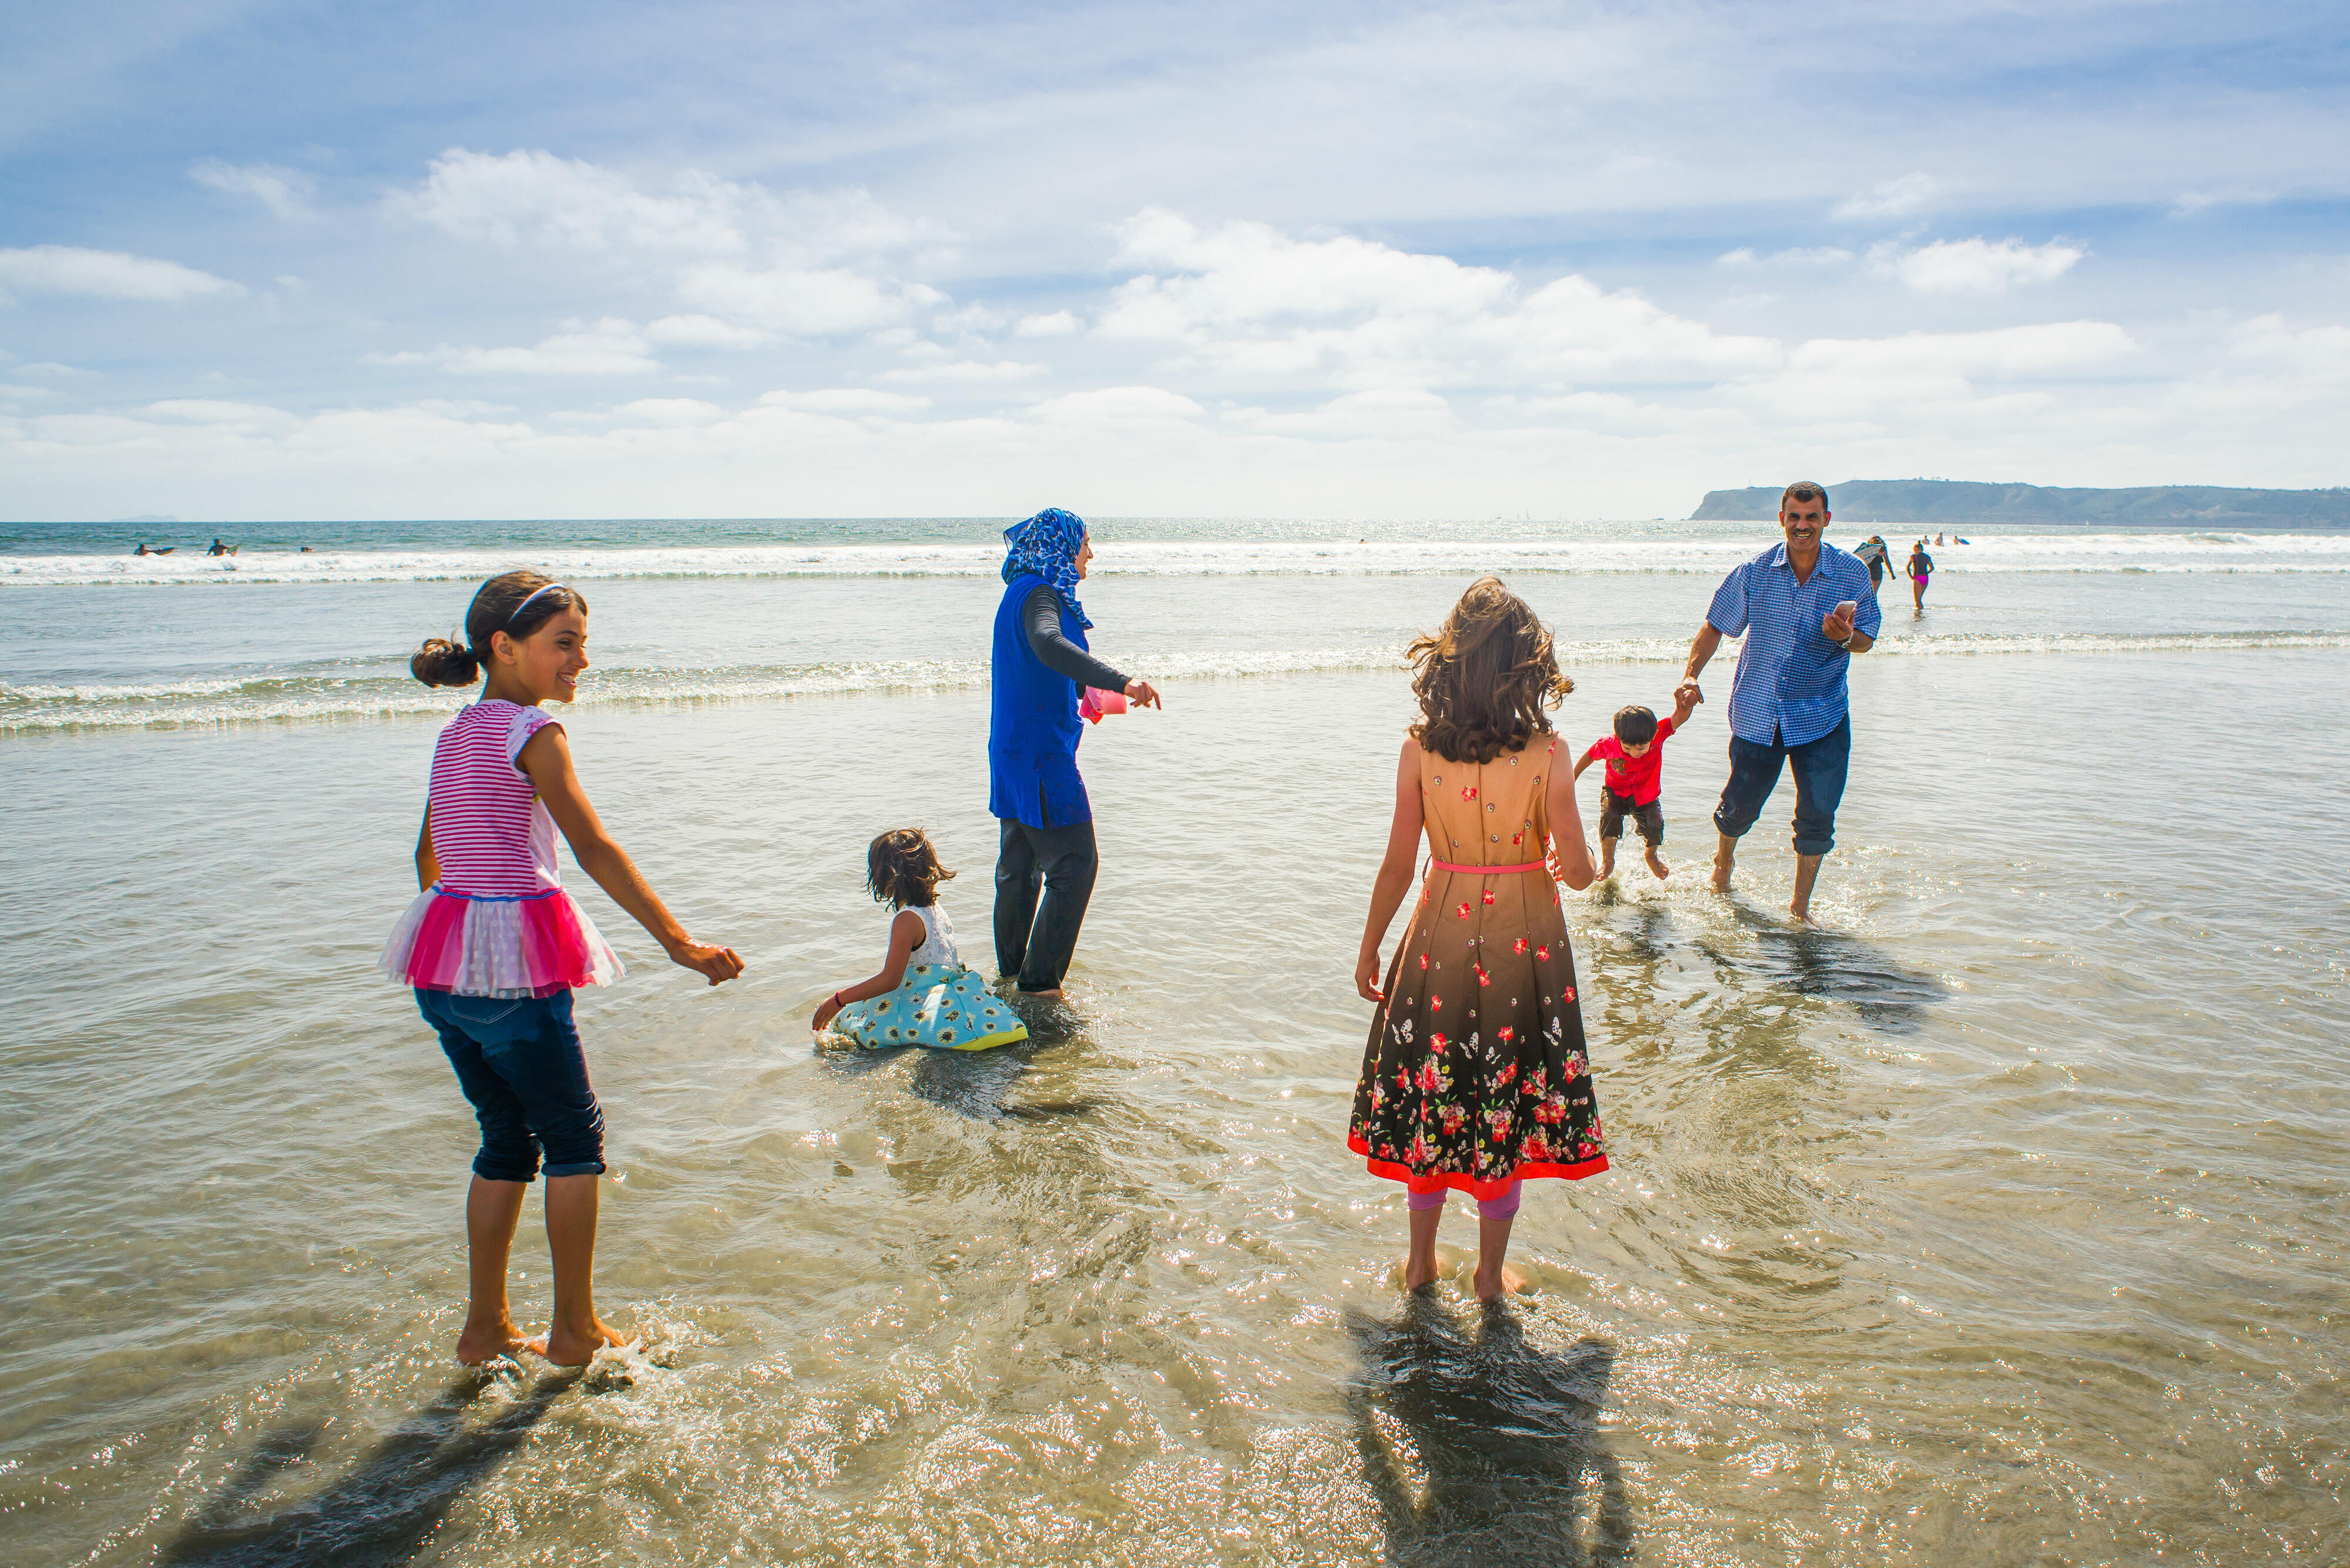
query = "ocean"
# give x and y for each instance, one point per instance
(1999, 1221)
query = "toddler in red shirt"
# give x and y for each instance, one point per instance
(1635, 756)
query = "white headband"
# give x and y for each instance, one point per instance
(546, 587)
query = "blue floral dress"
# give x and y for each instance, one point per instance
(938, 1003)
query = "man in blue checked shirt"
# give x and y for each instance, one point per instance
(1805, 607)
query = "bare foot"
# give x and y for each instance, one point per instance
(569, 1347)
(1720, 877)
(1509, 1284)
(1802, 915)
(480, 1343)
(1656, 864)
(1415, 1275)
(1607, 864)
(1052, 995)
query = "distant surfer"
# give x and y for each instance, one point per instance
(220, 549)
(1877, 556)
(143, 550)
(1921, 567)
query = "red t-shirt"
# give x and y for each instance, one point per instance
(1638, 778)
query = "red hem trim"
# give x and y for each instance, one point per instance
(1436, 1181)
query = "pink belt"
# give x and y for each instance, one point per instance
(1491, 870)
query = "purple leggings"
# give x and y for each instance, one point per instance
(1501, 1208)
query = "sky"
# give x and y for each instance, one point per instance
(262, 260)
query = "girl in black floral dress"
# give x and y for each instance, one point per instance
(1474, 1076)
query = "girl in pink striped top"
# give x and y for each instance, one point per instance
(493, 945)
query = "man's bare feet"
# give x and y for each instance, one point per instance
(1488, 1289)
(575, 1348)
(480, 1343)
(1802, 915)
(1656, 865)
(1721, 875)
(1052, 995)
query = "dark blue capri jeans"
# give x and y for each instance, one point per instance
(521, 1064)
(1819, 766)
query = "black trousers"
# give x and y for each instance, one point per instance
(1034, 937)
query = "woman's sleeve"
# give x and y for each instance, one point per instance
(1042, 618)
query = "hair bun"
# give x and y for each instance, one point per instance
(441, 662)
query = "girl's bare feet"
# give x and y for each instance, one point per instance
(1490, 1289)
(577, 1348)
(1419, 1271)
(482, 1343)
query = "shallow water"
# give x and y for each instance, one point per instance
(2002, 1222)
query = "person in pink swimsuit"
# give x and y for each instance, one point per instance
(493, 946)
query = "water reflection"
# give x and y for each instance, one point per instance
(1484, 1448)
(384, 1510)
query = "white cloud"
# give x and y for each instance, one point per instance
(607, 348)
(804, 303)
(1122, 408)
(1976, 266)
(1249, 301)
(1052, 324)
(706, 332)
(847, 401)
(1892, 198)
(215, 411)
(2320, 352)
(970, 371)
(531, 195)
(285, 191)
(1802, 255)
(104, 274)
(2050, 348)
(670, 410)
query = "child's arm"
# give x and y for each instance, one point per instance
(905, 935)
(1589, 754)
(546, 758)
(1684, 704)
(428, 862)
(1570, 852)
(1394, 879)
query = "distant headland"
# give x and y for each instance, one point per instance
(1950, 501)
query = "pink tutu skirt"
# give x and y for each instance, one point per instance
(533, 946)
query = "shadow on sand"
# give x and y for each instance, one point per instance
(1482, 1449)
(385, 1510)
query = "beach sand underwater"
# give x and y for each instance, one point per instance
(1999, 1221)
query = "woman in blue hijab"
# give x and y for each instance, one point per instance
(1044, 866)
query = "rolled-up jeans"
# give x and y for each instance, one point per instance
(1035, 937)
(1819, 766)
(521, 1064)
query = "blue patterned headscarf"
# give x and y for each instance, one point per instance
(1047, 546)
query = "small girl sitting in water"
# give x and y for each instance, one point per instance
(1474, 1075)
(493, 946)
(922, 995)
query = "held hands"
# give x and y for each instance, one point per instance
(1366, 976)
(1687, 694)
(1143, 694)
(718, 965)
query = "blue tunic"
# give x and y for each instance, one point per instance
(1033, 728)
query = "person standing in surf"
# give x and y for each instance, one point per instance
(1805, 608)
(1042, 668)
(1474, 1076)
(1921, 567)
(493, 946)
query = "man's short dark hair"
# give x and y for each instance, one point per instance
(1805, 490)
(1635, 726)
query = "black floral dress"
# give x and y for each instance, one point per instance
(1474, 1076)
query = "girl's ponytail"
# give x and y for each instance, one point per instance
(441, 662)
(515, 603)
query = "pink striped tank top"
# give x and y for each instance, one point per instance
(499, 923)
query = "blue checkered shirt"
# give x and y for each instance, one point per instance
(1790, 685)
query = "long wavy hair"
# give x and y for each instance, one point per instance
(1484, 677)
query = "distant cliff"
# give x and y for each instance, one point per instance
(1946, 501)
